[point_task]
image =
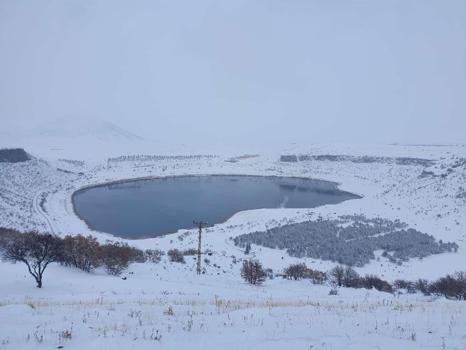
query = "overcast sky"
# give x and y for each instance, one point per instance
(229, 71)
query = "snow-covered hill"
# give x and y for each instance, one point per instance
(218, 310)
(429, 197)
(77, 128)
(76, 139)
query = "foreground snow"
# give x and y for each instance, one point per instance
(168, 306)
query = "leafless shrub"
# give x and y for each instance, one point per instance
(336, 275)
(169, 311)
(316, 277)
(7, 236)
(65, 335)
(115, 257)
(344, 276)
(450, 286)
(153, 255)
(422, 285)
(190, 251)
(176, 255)
(350, 277)
(80, 252)
(253, 272)
(295, 271)
(371, 281)
(269, 273)
(403, 284)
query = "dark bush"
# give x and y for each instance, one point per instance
(176, 255)
(453, 287)
(153, 255)
(190, 251)
(80, 252)
(350, 278)
(116, 257)
(7, 236)
(252, 272)
(403, 284)
(269, 274)
(316, 277)
(295, 271)
(135, 255)
(422, 286)
(288, 158)
(336, 275)
(371, 281)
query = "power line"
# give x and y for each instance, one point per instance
(199, 224)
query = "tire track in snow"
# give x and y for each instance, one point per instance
(38, 210)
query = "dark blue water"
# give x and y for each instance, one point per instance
(149, 208)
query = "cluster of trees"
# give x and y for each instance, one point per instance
(153, 158)
(340, 276)
(349, 240)
(72, 162)
(345, 276)
(176, 255)
(368, 159)
(450, 286)
(37, 251)
(292, 158)
(299, 271)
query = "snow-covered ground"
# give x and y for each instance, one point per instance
(167, 306)
(218, 310)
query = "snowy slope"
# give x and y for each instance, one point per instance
(428, 198)
(76, 139)
(218, 310)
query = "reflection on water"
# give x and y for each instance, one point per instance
(148, 208)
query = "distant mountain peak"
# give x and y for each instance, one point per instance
(83, 128)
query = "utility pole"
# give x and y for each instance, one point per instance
(199, 224)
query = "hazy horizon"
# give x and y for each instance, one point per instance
(216, 73)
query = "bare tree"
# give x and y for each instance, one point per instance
(35, 250)
(422, 285)
(450, 286)
(316, 276)
(350, 277)
(80, 252)
(175, 255)
(371, 281)
(116, 257)
(153, 255)
(296, 271)
(253, 272)
(336, 275)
